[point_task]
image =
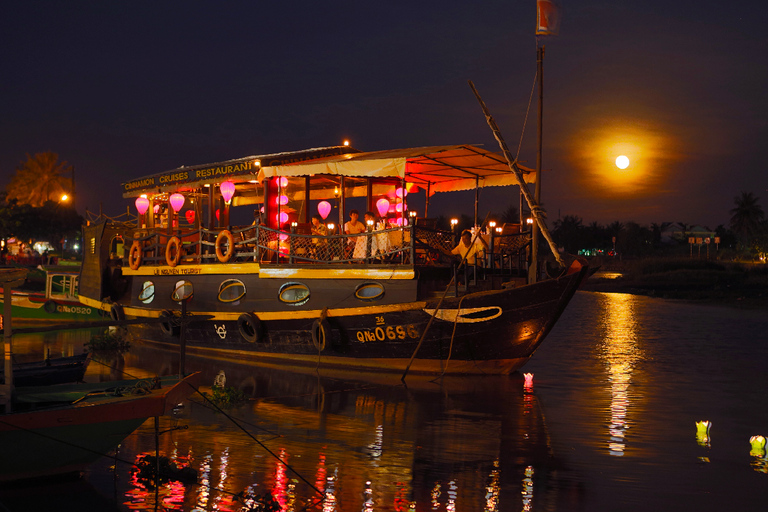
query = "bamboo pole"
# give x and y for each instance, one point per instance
(536, 210)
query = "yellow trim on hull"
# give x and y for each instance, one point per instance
(276, 272)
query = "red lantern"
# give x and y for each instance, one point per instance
(190, 215)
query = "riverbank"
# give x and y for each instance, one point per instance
(712, 282)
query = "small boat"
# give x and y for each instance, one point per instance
(57, 370)
(57, 303)
(55, 430)
(296, 288)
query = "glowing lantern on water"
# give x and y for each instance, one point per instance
(177, 201)
(758, 446)
(324, 208)
(190, 215)
(528, 380)
(702, 432)
(142, 204)
(382, 205)
(227, 191)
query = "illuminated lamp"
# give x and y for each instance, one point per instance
(399, 221)
(331, 227)
(391, 208)
(758, 446)
(177, 201)
(217, 213)
(382, 205)
(282, 200)
(142, 204)
(227, 191)
(400, 192)
(702, 432)
(281, 218)
(190, 215)
(528, 380)
(399, 207)
(412, 213)
(283, 237)
(411, 187)
(324, 208)
(282, 182)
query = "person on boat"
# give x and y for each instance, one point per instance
(471, 250)
(319, 245)
(354, 227)
(370, 217)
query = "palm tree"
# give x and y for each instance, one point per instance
(40, 179)
(746, 217)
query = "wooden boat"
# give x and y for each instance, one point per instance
(384, 299)
(57, 370)
(61, 429)
(58, 302)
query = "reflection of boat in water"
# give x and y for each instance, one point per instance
(57, 370)
(276, 291)
(54, 430)
(454, 442)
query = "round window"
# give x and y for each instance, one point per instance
(369, 291)
(231, 290)
(294, 294)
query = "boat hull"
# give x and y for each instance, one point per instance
(486, 332)
(35, 308)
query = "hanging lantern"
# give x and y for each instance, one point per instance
(399, 207)
(142, 204)
(190, 215)
(400, 192)
(281, 218)
(217, 214)
(282, 182)
(382, 205)
(324, 208)
(282, 200)
(156, 209)
(227, 189)
(177, 201)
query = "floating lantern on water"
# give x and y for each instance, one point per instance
(758, 446)
(528, 380)
(324, 208)
(382, 205)
(702, 432)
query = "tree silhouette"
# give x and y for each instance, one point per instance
(746, 217)
(40, 179)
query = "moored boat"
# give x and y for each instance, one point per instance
(290, 289)
(57, 370)
(54, 430)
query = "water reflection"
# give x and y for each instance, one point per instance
(619, 349)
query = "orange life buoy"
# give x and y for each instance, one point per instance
(173, 251)
(134, 256)
(221, 255)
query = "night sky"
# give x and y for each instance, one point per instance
(125, 89)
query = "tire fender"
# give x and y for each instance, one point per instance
(321, 334)
(250, 328)
(117, 313)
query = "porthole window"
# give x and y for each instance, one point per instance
(182, 291)
(231, 291)
(147, 293)
(369, 291)
(294, 294)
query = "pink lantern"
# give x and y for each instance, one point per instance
(324, 208)
(282, 218)
(282, 182)
(177, 201)
(382, 205)
(399, 192)
(399, 221)
(190, 215)
(142, 203)
(283, 237)
(156, 209)
(227, 191)
(399, 207)
(282, 200)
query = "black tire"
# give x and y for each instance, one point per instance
(169, 329)
(250, 327)
(49, 307)
(321, 334)
(117, 313)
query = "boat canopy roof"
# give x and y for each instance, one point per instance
(434, 168)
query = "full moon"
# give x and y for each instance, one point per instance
(622, 162)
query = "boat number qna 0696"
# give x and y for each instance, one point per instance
(388, 332)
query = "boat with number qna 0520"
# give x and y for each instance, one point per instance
(298, 282)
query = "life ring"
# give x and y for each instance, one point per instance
(173, 251)
(49, 307)
(225, 256)
(134, 256)
(250, 327)
(168, 328)
(116, 313)
(321, 333)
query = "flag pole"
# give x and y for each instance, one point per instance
(533, 267)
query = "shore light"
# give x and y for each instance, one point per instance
(382, 205)
(331, 226)
(177, 201)
(227, 191)
(324, 208)
(142, 204)
(453, 223)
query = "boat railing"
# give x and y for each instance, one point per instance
(413, 245)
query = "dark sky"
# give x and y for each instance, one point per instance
(125, 89)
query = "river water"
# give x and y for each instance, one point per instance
(609, 423)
